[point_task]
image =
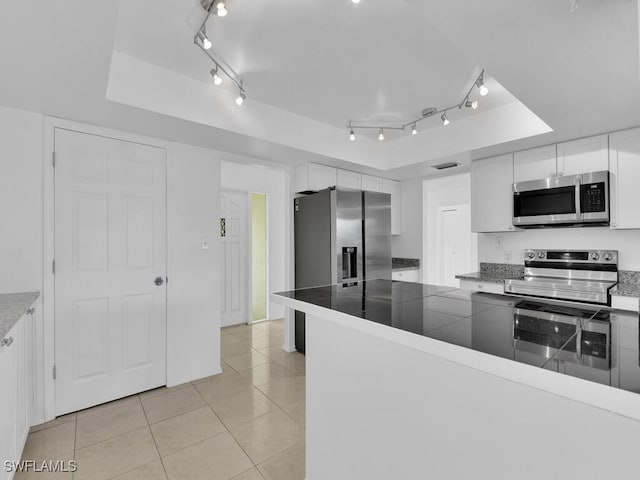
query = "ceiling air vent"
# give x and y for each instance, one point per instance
(443, 166)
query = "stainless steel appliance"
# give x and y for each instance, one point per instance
(577, 275)
(562, 201)
(341, 236)
(564, 334)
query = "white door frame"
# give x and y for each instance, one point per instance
(45, 331)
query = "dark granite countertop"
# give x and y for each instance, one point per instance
(12, 307)
(603, 347)
(489, 277)
(399, 264)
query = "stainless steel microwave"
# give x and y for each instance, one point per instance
(562, 201)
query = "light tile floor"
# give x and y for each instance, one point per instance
(244, 424)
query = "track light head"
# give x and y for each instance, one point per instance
(470, 104)
(217, 79)
(444, 119)
(221, 8)
(240, 98)
(481, 86)
(352, 135)
(355, 1)
(414, 130)
(381, 134)
(206, 43)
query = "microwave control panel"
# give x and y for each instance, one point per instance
(593, 197)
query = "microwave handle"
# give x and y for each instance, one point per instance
(577, 189)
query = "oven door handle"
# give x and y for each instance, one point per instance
(577, 185)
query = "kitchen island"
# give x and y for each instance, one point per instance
(406, 380)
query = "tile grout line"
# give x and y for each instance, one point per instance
(153, 437)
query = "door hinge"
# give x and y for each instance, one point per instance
(54, 372)
(53, 159)
(53, 267)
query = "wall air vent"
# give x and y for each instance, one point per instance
(443, 166)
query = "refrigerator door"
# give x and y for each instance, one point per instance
(348, 236)
(377, 235)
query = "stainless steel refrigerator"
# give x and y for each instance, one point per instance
(341, 235)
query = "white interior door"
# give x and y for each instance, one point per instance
(110, 245)
(457, 244)
(234, 213)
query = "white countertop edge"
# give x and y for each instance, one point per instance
(608, 398)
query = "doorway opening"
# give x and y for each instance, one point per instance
(456, 243)
(259, 263)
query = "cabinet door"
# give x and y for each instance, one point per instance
(321, 177)
(534, 164)
(8, 379)
(371, 184)
(22, 403)
(349, 179)
(393, 188)
(491, 194)
(583, 156)
(624, 164)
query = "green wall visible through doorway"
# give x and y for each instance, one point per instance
(259, 255)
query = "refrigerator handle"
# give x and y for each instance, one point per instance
(349, 262)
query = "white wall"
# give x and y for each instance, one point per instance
(193, 291)
(20, 201)
(437, 193)
(508, 247)
(409, 243)
(237, 174)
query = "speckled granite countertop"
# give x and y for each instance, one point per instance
(494, 273)
(12, 307)
(399, 264)
(628, 284)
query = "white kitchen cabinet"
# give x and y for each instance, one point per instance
(624, 168)
(393, 188)
(16, 394)
(406, 275)
(371, 184)
(583, 155)
(347, 179)
(476, 286)
(534, 164)
(311, 177)
(491, 194)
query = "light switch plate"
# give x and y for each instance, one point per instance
(204, 243)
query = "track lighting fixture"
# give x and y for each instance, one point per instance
(428, 112)
(200, 39)
(217, 79)
(352, 135)
(240, 98)
(481, 86)
(221, 8)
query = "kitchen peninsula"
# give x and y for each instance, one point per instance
(406, 380)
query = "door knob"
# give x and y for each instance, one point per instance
(159, 281)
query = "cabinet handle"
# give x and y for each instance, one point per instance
(553, 174)
(560, 174)
(6, 342)
(30, 311)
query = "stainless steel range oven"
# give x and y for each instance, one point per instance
(576, 275)
(562, 201)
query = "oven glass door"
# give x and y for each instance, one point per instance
(553, 204)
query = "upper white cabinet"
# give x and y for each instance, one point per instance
(311, 177)
(371, 184)
(393, 188)
(491, 194)
(347, 179)
(534, 164)
(583, 156)
(624, 165)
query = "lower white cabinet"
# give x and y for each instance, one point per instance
(476, 286)
(625, 303)
(16, 393)
(406, 275)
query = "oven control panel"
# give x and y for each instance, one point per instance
(572, 256)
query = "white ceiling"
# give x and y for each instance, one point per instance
(312, 66)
